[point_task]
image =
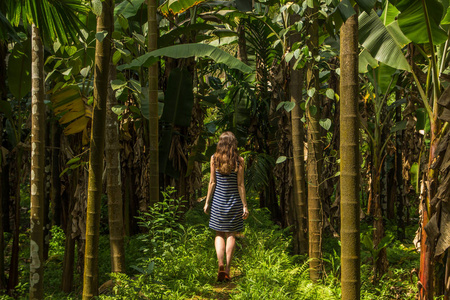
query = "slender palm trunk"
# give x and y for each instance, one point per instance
(153, 104)
(349, 166)
(97, 143)
(314, 154)
(114, 183)
(37, 166)
(301, 207)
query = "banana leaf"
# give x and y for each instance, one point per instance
(389, 14)
(413, 23)
(185, 51)
(175, 7)
(379, 41)
(68, 103)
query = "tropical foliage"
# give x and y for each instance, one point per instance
(110, 111)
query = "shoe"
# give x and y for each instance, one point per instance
(222, 274)
(227, 277)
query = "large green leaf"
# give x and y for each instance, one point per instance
(19, 70)
(179, 98)
(413, 24)
(374, 37)
(175, 7)
(389, 14)
(189, 50)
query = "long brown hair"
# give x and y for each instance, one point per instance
(226, 156)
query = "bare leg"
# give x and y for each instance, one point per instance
(231, 242)
(219, 243)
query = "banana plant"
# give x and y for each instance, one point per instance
(421, 23)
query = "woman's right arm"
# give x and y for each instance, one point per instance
(241, 187)
(211, 186)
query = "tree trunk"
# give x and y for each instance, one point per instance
(153, 104)
(314, 154)
(113, 183)
(37, 166)
(97, 143)
(349, 165)
(295, 89)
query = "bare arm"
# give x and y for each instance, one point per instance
(241, 187)
(211, 186)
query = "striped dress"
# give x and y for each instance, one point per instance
(226, 207)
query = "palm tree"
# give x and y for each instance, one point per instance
(97, 145)
(349, 165)
(37, 166)
(153, 104)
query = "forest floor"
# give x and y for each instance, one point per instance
(176, 259)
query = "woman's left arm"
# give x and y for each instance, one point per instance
(241, 187)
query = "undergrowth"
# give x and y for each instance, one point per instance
(175, 259)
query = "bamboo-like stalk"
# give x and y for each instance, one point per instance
(97, 144)
(114, 183)
(301, 207)
(349, 165)
(153, 104)
(314, 153)
(37, 166)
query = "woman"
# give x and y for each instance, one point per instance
(229, 206)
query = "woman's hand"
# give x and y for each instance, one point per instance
(245, 214)
(206, 208)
